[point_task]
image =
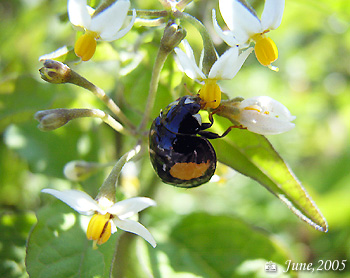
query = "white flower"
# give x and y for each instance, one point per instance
(105, 25)
(264, 115)
(225, 67)
(107, 216)
(244, 26)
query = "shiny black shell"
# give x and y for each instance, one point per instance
(179, 155)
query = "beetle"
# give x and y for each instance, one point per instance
(180, 151)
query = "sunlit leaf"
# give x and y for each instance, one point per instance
(63, 54)
(221, 246)
(252, 155)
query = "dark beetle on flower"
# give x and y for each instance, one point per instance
(180, 151)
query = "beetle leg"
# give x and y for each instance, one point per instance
(208, 125)
(230, 128)
(208, 134)
(212, 135)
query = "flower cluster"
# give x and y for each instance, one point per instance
(105, 25)
(261, 115)
(225, 67)
(244, 27)
(267, 117)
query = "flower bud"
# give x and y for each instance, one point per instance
(173, 35)
(229, 109)
(55, 72)
(78, 170)
(264, 115)
(52, 119)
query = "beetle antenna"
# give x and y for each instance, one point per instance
(188, 90)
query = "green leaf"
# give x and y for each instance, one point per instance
(252, 155)
(136, 86)
(21, 98)
(13, 234)
(219, 246)
(58, 247)
(48, 152)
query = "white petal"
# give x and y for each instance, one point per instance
(129, 207)
(229, 63)
(187, 63)
(264, 124)
(227, 36)
(240, 61)
(224, 63)
(77, 200)
(240, 20)
(78, 13)
(272, 15)
(269, 104)
(121, 33)
(201, 59)
(136, 228)
(113, 227)
(109, 21)
(272, 117)
(189, 51)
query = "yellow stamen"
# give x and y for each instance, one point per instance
(266, 51)
(85, 46)
(254, 108)
(210, 93)
(99, 229)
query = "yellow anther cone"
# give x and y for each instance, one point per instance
(85, 46)
(266, 51)
(211, 94)
(99, 229)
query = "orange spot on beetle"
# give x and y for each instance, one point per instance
(189, 170)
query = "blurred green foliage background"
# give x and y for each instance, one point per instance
(313, 82)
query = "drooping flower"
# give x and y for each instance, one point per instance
(107, 216)
(225, 67)
(244, 27)
(264, 115)
(105, 25)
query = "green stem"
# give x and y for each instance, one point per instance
(82, 82)
(209, 50)
(182, 4)
(172, 36)
(153, 13)
(149, 22)
(158, 65)
(108, 188)
(55, 118)
(97, 113)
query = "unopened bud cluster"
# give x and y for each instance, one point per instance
(173, 35)
(52, 119)
(55, 72)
